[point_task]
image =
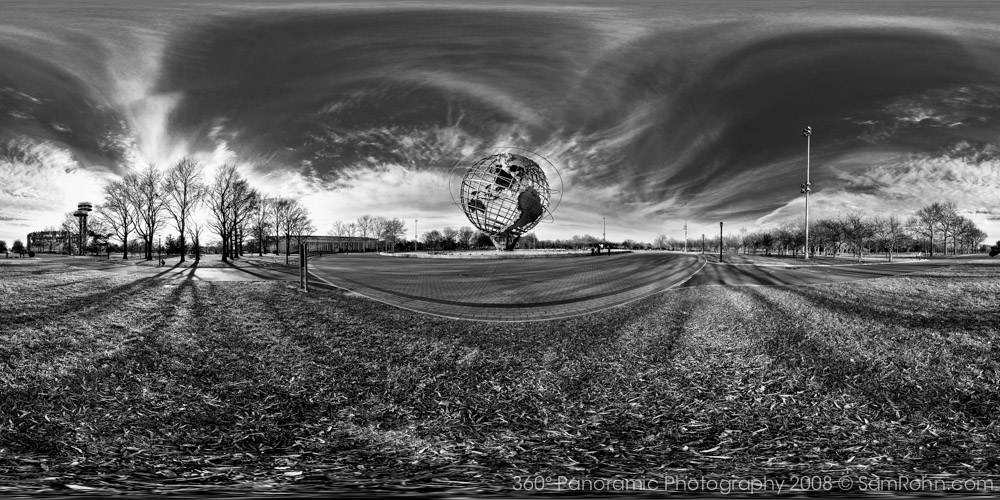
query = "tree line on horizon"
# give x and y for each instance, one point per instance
(929, 228)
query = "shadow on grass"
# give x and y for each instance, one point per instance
(122, 369)
(94, 303)
(884, 379)
(911, 308)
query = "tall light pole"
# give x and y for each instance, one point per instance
(685, 236)
(805, 188)
(159, 248)
(720, 241)
(416, 237)
(604, 235)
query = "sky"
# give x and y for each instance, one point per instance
(653, 112)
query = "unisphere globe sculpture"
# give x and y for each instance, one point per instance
(505, 195)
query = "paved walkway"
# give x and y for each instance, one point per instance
(507, 290)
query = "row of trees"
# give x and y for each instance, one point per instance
(392, 233)
(938, 225)
(143, 203)
(387, 231)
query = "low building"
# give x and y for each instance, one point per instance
(331, 244)
(52, 241)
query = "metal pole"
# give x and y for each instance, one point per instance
(720, 241)
(806, 188)
(604, 235)
(703, 243)
(416, 236)
(685, 236)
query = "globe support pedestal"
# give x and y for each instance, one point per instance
(503, 242)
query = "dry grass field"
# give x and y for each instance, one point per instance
(116, 382)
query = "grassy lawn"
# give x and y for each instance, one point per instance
(113, 381)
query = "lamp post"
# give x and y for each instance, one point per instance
(703, 243)
(159, 248)
(685, 236)
(604, 232)
(805, 187)
(416, 235)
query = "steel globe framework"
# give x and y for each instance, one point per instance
(505, 195)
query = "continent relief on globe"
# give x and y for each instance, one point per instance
(529, 202)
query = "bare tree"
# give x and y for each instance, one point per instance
(338, 229)
(294, 223)
(149, 205)
(244, 205)
(449, 235)
(889, 230)
(68, 225)
(465, 235)
(279, 209)
(969, 234)
(364, 226)
(926, 221)
(184, 191)
(195, 230)
(98, 231)
(118, 211)
(304, 227)
(378, 227)
(947, 219)
(394, 230)
(831, 233)
(859, 231)
(260, 221)
(220, 204)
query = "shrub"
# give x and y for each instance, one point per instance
(31, 253)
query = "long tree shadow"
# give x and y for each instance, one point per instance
(96, 303)
(906, 309)
(787, 341)
(108, 378)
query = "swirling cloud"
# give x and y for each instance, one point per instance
(654, 113)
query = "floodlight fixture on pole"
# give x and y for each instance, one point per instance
(806, 186)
